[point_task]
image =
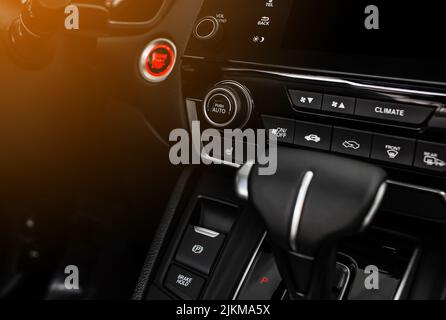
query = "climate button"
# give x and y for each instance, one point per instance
(403, 113)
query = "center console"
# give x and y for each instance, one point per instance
(318, 84)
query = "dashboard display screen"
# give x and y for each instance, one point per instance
(389, 29)
(385, 38)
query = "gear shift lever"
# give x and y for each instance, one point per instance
(313, 201)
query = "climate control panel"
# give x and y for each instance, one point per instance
(400, 126)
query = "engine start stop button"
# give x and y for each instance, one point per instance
(157, 60)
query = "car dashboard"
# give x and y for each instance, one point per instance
(153, 121)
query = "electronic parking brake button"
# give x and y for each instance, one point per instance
(183, 283)
(199, 248)
(403, 113)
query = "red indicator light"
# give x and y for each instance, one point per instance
(264, 280)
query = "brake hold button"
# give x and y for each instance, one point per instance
(404, 113)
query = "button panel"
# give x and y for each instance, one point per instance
(370, 109)
(386, 148)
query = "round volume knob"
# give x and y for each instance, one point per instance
(228, 104)
(208, 28)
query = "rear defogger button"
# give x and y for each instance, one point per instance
(403, 113)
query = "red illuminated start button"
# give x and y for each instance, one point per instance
(158, 60)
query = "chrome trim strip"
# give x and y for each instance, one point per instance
(214, 160)
(339, 81)
(441, 193)
(251, 262)
(344, 289)
(193, 57)
(375, 206)
(22, 23)
(248, 97)
(340, 73)
(206, 232)
(298, 207)
(242, 180)
(410, 268)
(301, 256)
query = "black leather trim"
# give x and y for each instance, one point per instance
(161, 233)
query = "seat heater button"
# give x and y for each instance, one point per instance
(183, 283)
(199, 248)
(403, 113)
(393, 149)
